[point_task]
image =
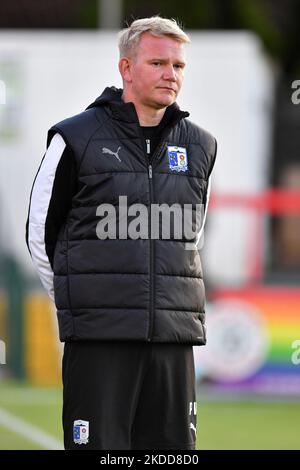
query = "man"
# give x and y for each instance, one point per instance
(129, 309)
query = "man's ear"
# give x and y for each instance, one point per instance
(125, 69)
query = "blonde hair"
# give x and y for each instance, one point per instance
(128, 38)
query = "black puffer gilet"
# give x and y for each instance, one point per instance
(129, 289)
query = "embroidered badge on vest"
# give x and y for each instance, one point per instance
(177, 158)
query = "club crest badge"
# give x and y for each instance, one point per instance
(177, 158)
(81, 432)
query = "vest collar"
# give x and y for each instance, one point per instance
(126, 112)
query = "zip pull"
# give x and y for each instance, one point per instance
(148, 145)
(150, 171)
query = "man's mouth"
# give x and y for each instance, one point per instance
(166, 88)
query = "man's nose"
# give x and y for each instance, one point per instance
(169, 73)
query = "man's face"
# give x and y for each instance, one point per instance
(157, 70)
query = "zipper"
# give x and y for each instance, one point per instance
(148, 146)
(151, 318)
(152, 246)
(151, 312)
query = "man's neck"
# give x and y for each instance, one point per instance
(147, 115)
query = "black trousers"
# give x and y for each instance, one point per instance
(128, 395)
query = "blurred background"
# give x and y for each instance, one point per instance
(243, 85)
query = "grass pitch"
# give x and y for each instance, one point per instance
(30, 418)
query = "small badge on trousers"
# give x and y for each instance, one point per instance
(177, 158)
(81, 432)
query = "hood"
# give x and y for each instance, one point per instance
(109, 95)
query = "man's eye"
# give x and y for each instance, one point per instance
(156, 63)
(178, 66)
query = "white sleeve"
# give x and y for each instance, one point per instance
(38, 210)
(200, 238)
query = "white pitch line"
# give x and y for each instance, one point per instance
(30, 432)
